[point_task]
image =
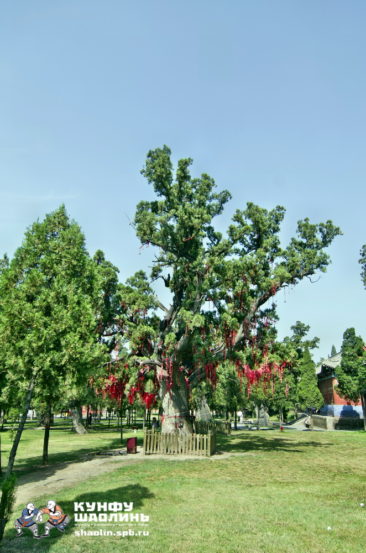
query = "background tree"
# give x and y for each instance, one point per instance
(333, 351)
(351, 374)
(303, 388)
(308, 392)
(219, 285)
(229, 393)
(113, 388)
(106, 302)
(201, 402)
(283, 397)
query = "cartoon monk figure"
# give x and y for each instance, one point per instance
(56, 518)
(29, 518)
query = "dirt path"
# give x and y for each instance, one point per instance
(52, 479)
(49, 481)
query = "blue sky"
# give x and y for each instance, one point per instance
(267, 97)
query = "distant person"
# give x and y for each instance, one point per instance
(155, 424)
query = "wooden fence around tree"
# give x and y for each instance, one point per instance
(179, 444)
(201, 427)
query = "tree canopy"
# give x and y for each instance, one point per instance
(222, 289)
(220, 284)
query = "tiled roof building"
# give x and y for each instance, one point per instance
(327, 381)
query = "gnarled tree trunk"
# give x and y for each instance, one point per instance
(176, 416)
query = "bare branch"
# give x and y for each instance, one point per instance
(313, 281)
(162, 306)
(152, 362)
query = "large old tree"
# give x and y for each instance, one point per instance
(219, 285)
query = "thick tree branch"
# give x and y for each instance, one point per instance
(162, 306)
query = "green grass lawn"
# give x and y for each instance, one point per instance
(279, 494)
(64, 445)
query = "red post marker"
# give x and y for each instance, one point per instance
(131, 445)
(282, 428)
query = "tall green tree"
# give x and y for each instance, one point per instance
(351, 374)
(308, 392)
(303, 384)
(106, 305)
(219, 284)
(48, 325)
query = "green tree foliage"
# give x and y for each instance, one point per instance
(230, 392)
(308, 392)
(108, 299)
(333, 351)
(106, 304)
(219, 284)
(7, 501)
(301, 378)
(351, 374)
(48, 326)
(298, 341)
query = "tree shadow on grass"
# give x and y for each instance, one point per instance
(31, 469)
(133, 493)
(254, 442)
(95, 427)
